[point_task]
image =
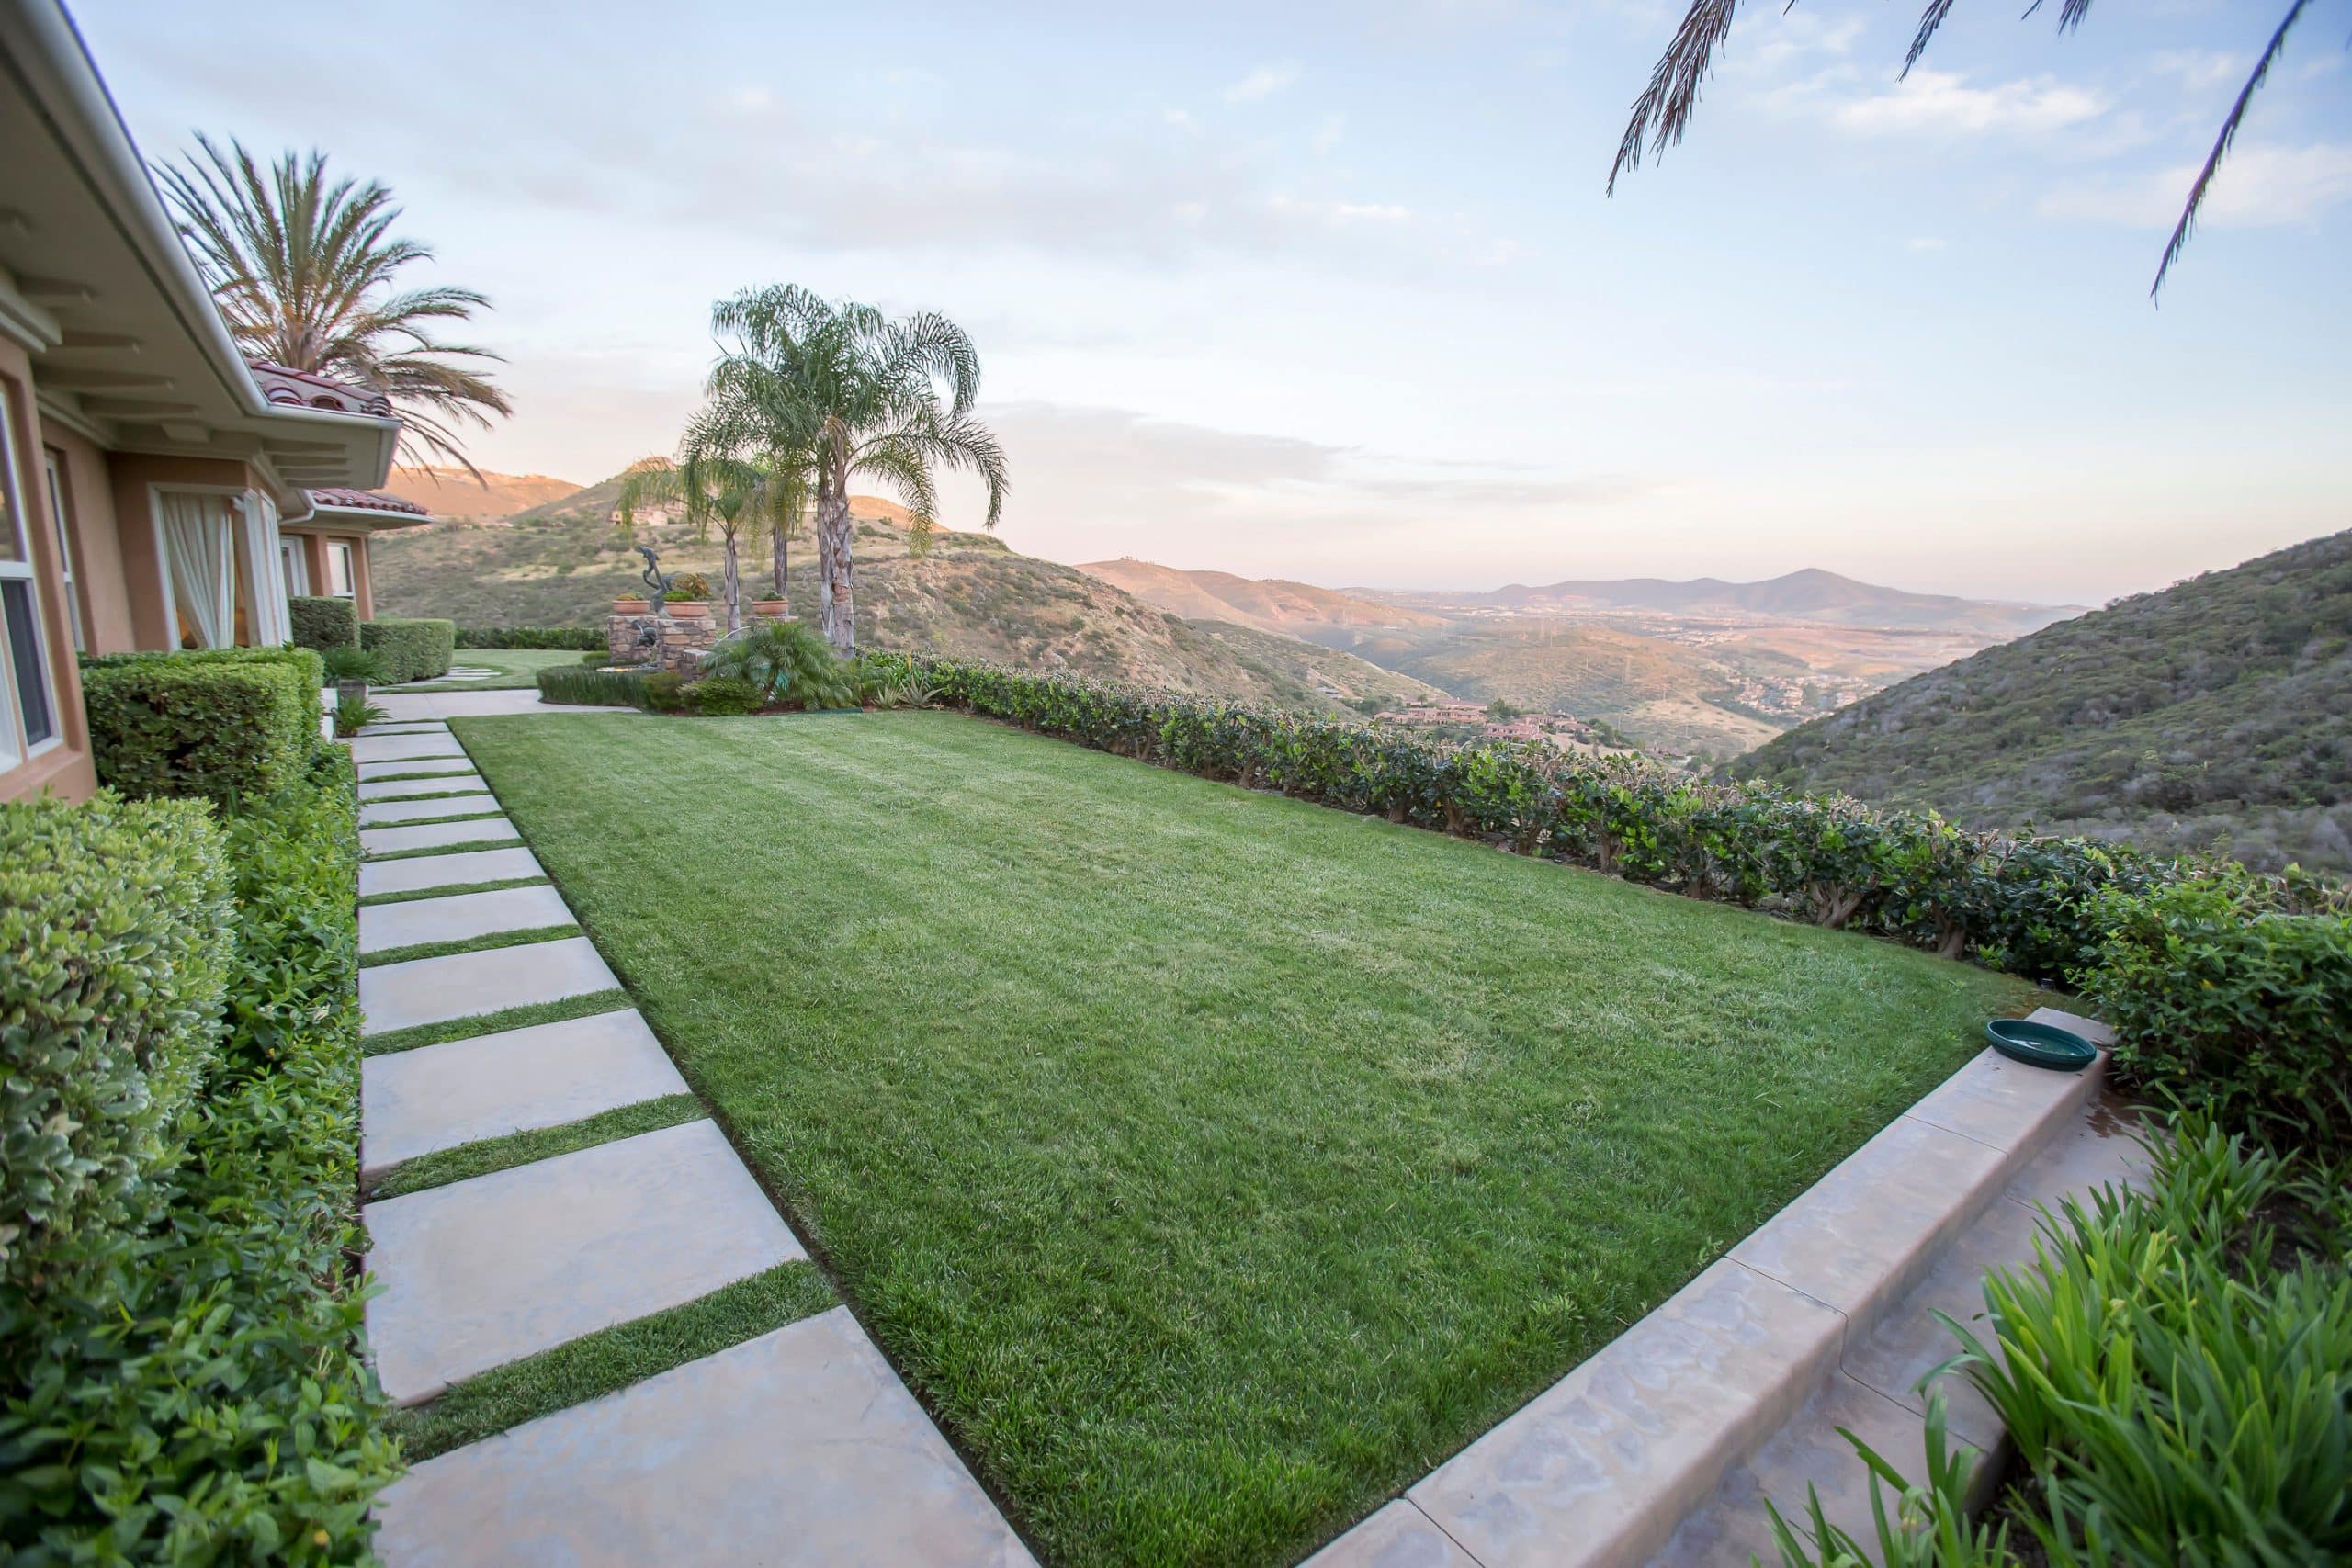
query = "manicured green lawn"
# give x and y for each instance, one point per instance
(518, 669)
(1213, 1163)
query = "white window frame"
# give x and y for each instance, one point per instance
(294, 566)
(53, 475)
(345, 552)
(15, 750)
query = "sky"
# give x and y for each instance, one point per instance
(1334, 293)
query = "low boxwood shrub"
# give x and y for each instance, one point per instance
(114, 917)
(324, 623)
(594, 688)
(410, 650)
(224, 725)
(200, 1393)
(720, 696)
(2223, 1003)
(584, 638)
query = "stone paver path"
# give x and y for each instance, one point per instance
(799, 1446)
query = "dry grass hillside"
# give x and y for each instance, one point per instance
(971, 596)
(452, 492)
(1294, 609)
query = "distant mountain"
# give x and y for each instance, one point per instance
(564, 563)
(2216, 712)
(1811, 594)
(1294, 609)
(452, 492)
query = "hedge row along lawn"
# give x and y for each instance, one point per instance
(1213, 1163)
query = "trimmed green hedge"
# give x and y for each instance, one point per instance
(558, 638)
(114, 917)
(223, 725)
(2059, 910)
(410, 650)
(323, 623)
(200, 1393)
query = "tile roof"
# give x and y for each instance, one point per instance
(366, 501)
(299, 389)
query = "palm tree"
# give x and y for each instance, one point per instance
(718, 492)
(304, 272)
(858, 394)
(1662, 113)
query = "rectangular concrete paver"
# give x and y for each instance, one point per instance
(480, 1272)
(1601, 1466)
(797, 1450)
(411, 727)
(464, 985)
(388, 813)
(460, 870)
(460, 917)
(400, 789)
(401, 748)
(433, 835)
(1399, 1536)
(439, 1097)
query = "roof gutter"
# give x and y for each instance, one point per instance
(63, 84)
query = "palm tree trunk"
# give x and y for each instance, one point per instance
(782, 586)
(836, 592)
(734, 580)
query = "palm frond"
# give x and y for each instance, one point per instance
(2253, 81)
(1663, 111)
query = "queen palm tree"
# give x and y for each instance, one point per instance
(718, 492)
(303, 271)
(859, 395)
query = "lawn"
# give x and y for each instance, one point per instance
(1213, 1163)
(518, 667)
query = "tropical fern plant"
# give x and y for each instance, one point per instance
(305, 270)
(786, 662)
(850, 393)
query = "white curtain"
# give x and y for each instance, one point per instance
(273, 620)
(197, 532)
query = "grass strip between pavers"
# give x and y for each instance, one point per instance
(377, 858)
(479, 814)
(469, 1160)
(429, 794)
(591, 1003)
(522, 938)
(428, 773)
(375, 899)
(611, 1359)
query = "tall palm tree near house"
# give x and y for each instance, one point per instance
(717, 492)
(860, 395)
(304, 271)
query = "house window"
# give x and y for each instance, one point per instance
(200, 533)
(298, 570)
(339, 574)
(53, 465)
(27, 709)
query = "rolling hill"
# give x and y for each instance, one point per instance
(1293, 609)
(1811, 594)
(2217, 712)
(562, 564)
(452, 492)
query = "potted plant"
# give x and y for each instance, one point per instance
(688, 596)
(351, 668)
(632, 604)
(772, 609)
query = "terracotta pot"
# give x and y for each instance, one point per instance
(688, 609)
(769, 609)
(631, 606)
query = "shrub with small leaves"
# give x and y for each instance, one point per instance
(719, 696)
(324, 623)
(410, 650)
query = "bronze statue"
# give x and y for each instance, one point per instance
(655, 578)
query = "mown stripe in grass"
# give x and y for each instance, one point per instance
(375, 899)
(522, 1017)
(611, 1359)
(380, 855)
(470, 1160)
(528, 935)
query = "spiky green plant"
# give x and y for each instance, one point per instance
(786, 662)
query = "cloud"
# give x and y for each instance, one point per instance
(1328, 134)
(1262, 82)
(1924, 243)
(1941, 102)
(2257, 186)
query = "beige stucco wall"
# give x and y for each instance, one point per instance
(65, 769)
(133, 476)
(97, 544)
(313, 544)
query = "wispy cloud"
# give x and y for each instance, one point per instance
(1924, 243)
(1328, 134)
(1262, 82)
(2260, 186)
(1942, 103)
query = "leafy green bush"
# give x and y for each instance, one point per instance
(2221, 1003)
(114, 919)
(324, 623)
(720, 696)
(789, 665)
(225, 725)
(410, 650)
(663, 690)
(200, 1395)
(556, 638)
(594, 688)
(2175, 1371)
